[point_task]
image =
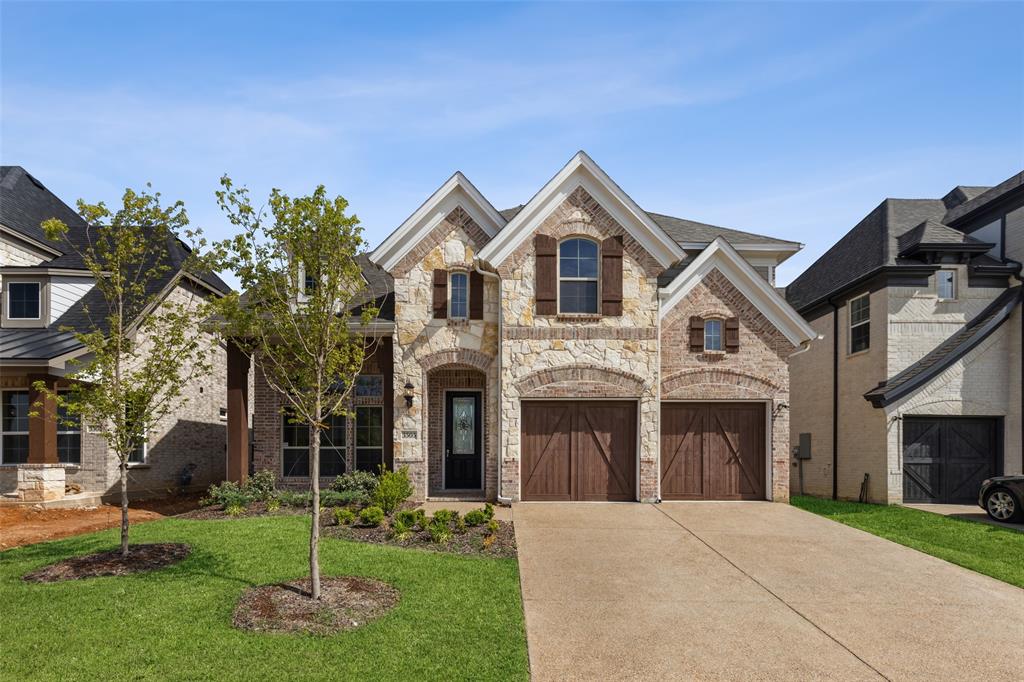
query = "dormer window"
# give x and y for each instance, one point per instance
(577, 277)
(946, 285)
(23, 301)
(458, 306)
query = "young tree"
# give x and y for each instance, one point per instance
(144, 340)
(297, 266)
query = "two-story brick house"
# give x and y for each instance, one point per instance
(46, 295)
(576, 347)
(916, 384)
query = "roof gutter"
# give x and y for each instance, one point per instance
(835, 399)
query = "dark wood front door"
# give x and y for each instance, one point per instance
(463, 455)
(579, 450)
(945, 459)
(712, 451)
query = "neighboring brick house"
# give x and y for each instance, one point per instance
(45, 289)
(917, 382)
(573, 348)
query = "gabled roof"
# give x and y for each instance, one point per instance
(988, 196)
(946, 353)
(933, 235)
(581, 171)
(721, 256)
(690, 234)
(25, 203)
(456, 191)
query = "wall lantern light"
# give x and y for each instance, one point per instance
(408, 394)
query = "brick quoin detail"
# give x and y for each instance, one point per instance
(457, 219)
(580, 381)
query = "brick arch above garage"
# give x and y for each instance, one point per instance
(718, 383)
(580, 381)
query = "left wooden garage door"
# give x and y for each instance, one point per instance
(712, 451)
(583, 450)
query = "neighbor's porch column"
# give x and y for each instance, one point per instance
(238, 414)
(42, 428)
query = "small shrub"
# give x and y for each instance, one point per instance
(260, 486)
(356, 482)
(476, 517)
(493, 526)
(412, 518)
(460, 525)
(331, 498)
(371, 516)
(226, 494)
(439, 533)
(445, 516)
(344, 516)
(393, 488)
(489, 540)
(273, 504)
(290, 498)
(399, 530)
(489, 510)
(234, 509)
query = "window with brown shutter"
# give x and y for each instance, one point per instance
(440, 294)
(732, 335)
(546, 274)
(476, 296)
(611, 276)
(696, 334)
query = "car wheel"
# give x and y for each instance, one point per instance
(1002, 505)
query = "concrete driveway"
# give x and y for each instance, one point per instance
(750, 591)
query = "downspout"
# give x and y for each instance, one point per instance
(835, 399)
(501, 432)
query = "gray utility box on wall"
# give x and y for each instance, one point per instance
(803, 450)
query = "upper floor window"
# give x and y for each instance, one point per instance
(946, 284)
(860, 323)
(23, 301)
(458, 306)
(712, 335)
(577, 277)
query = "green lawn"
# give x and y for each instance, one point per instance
(994, 551)
(458, 618)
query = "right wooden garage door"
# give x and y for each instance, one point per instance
(713, 451)
(945, 459)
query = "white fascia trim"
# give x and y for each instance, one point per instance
(582, 171)
(457, 191)
(34, 243)
(719, 254)
(761, 246)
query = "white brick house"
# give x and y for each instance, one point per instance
(576, 347)
(916, 385)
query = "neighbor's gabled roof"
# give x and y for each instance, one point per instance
(456, 191)
(721, 256)
(581, 171)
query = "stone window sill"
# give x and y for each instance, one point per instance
(139, 465)
(577, 318)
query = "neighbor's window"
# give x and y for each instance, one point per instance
(946, 282)
(577, 276)
(69, 435)
(369, 438)
(295, 450)
(141, 449)
(14, 427)
(23, 301)
(712, 335)
(458, 307)
(860, 323)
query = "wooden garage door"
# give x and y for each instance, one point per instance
(945, 459)
(712, 451)
(579, 450)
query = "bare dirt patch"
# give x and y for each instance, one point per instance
(478, 540)
(345, 603)
(27, 525)
(140, 558)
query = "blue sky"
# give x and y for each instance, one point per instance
(793, 120)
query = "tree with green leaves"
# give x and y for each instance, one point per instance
(145, 338)
(304, 311)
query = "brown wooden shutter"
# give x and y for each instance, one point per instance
(732, 335)
(696, 334)
(611, 276)
(440, 294)
(476, 296)
(546, 274)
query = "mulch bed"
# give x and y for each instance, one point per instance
(253, 509)
(140, 558)
(471, 542)
(345, 603)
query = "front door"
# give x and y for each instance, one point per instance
(463, 455)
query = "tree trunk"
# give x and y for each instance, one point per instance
(124, 507)
(314, 531)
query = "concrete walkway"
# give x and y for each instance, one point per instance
(750, 591)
